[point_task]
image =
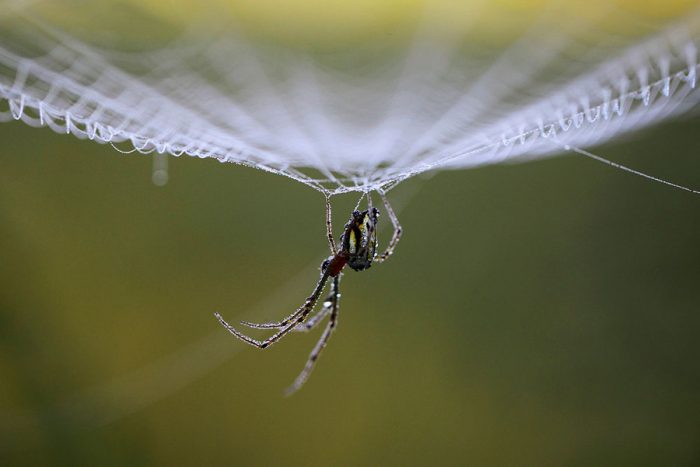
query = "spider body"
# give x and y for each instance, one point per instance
(358, 246)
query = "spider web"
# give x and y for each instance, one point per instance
(350, 121)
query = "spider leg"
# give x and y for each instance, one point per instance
(397, 229)
(321, 344)
(288, 324)
(328, 304)
(329, 226)
(314, 321)
(311, 323)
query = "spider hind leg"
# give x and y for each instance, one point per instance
(306, 326)
(285, 326)
(323, 340)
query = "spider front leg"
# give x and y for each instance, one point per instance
(397, 229)
(329, 226)
(321, 344)
(286, 325)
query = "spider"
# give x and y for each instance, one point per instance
(358, 245)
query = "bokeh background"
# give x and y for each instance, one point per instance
(536, 314)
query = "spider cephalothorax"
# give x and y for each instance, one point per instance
(358, 245)
(359, 239)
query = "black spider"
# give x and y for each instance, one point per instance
(358, 245)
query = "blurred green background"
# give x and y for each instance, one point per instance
(533, 315)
